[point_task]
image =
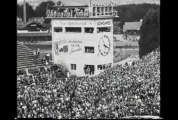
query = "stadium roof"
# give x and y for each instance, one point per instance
(132, 26)
(31, 22)
(74, 6)
(33, 34)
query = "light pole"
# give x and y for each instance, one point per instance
(24, 11)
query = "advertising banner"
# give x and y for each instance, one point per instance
(64, 46)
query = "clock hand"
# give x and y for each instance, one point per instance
(106, 46)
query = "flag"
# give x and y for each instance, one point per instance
(65, 48)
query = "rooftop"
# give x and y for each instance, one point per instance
(29, 34)
(99, 17)
(132, 26)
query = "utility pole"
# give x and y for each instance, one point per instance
(24, 11)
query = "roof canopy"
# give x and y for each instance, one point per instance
(81, 11)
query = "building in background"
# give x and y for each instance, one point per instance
(33, 31)
(82, 37)
(132, 30)
(37, 19)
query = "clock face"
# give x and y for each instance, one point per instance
(104, 45)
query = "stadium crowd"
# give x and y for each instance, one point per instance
(119, 91)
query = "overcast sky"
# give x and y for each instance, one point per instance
(84, 2)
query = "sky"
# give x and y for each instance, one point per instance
(84, 2)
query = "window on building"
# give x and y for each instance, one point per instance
(73, 29)
(73, 66)
(103, 29)
(89, 69)
(89, 30)
(89, 49)
(58, 29)
(94, 8)
(101, 67)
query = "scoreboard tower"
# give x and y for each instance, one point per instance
(82, 37)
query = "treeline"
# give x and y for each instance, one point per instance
(29, 10)
(126, 13)
(134, 12)
(40, 10)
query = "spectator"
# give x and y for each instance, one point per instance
(34, 54)
(46, 62)
(47, 57)
(88, 70)
(38, 51)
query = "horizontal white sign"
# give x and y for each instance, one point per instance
(73, 23)
(81, 23)
(104, 23)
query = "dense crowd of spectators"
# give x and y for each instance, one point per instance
(123, 90)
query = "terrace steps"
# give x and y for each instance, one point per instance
(25, 57)
(38, 62)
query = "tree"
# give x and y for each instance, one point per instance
(149, 32)
(41, 8)
(59, 3)
(134, 12)
(19, 11)
(29, 11)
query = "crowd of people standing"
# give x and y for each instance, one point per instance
(119, 91)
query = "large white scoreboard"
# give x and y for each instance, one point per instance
(82, 37)
(83, 46)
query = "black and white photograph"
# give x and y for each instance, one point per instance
(88, 59)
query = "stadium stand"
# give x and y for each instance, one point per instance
(119, 92)
(25, 57)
